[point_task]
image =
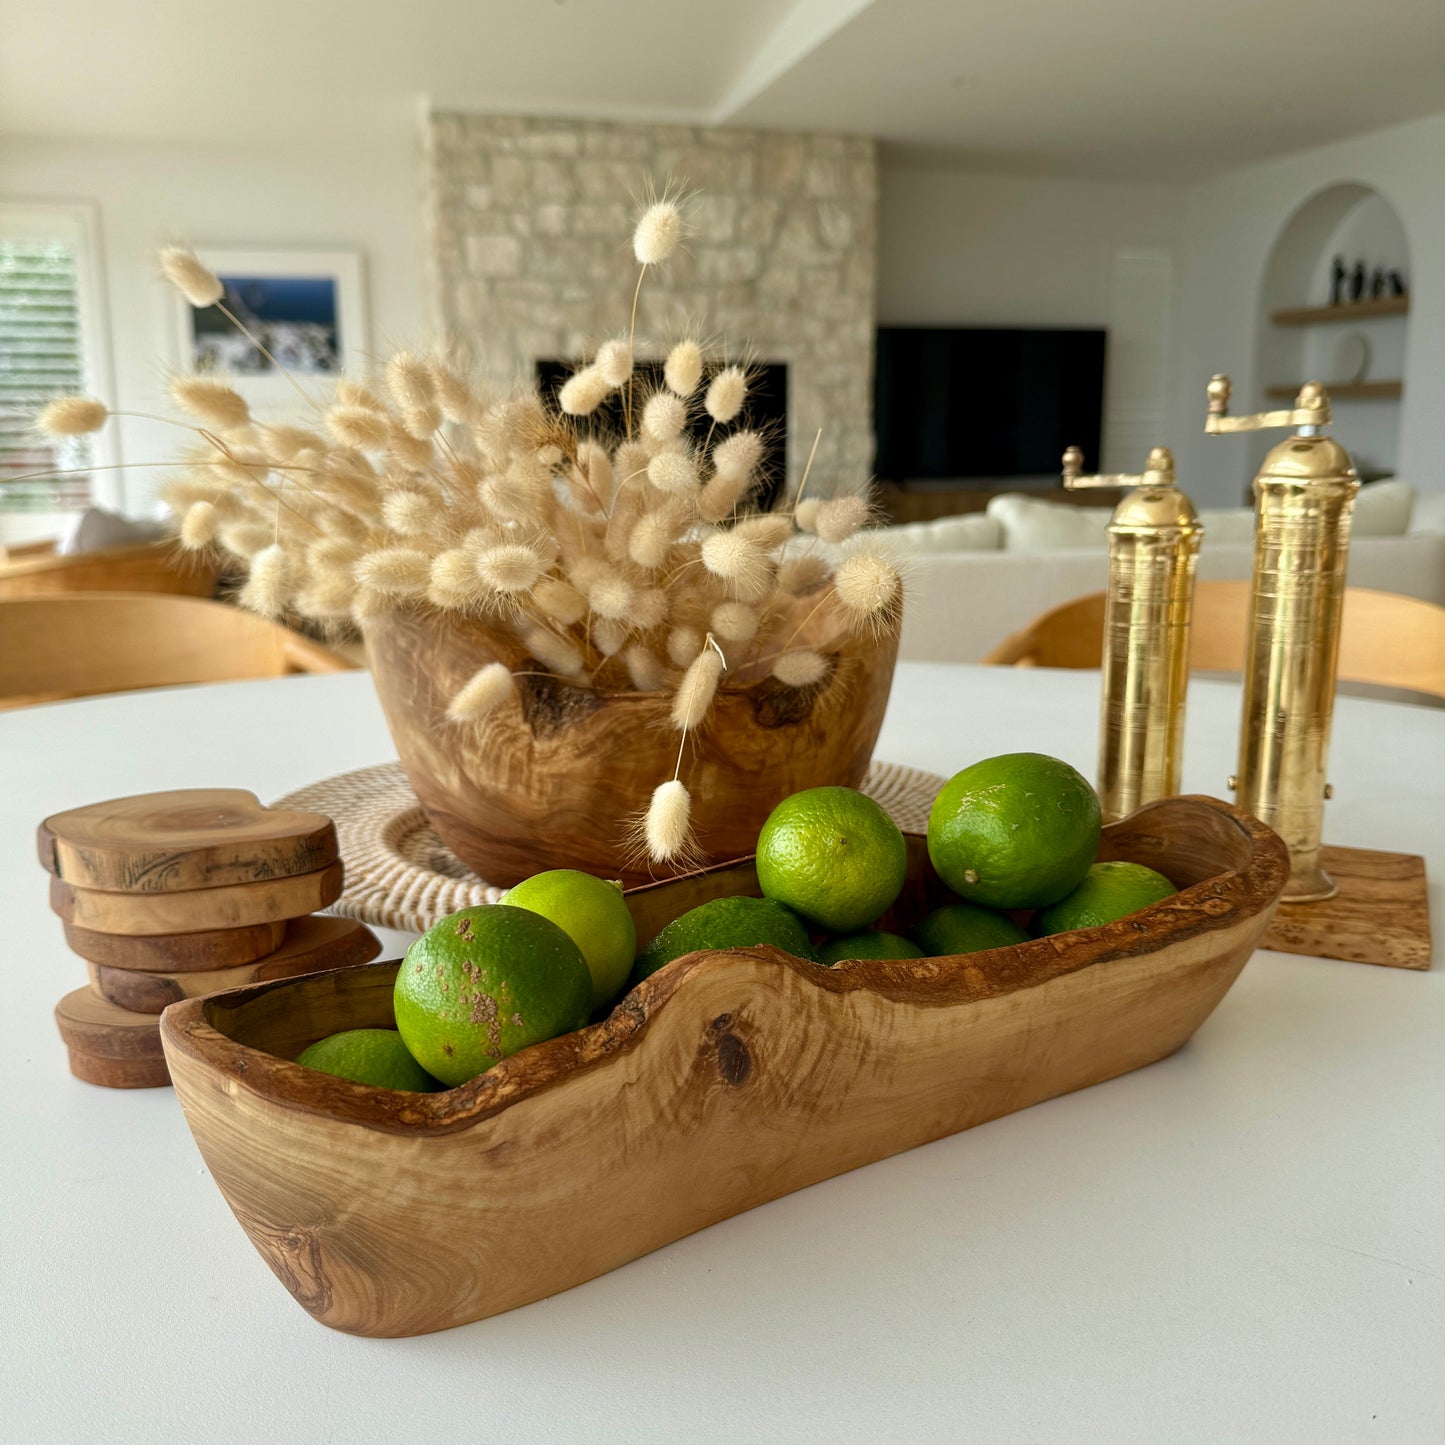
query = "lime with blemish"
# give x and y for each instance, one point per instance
(369, 1056)
(725, 923)
(1109, 891)
(485, 982)
(1015, 831)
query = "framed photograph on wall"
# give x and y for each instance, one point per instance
(307, 308)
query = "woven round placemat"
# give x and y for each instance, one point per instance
(399, 873)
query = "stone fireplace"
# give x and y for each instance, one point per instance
(529, 223)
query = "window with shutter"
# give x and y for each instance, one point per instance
(52, 343)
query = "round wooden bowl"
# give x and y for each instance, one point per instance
(726, 1079)
(552, 779)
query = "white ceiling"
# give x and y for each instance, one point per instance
(1148, 89)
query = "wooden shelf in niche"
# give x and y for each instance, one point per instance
(1348, 311)
(1345, 391)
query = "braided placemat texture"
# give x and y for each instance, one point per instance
(399, 873)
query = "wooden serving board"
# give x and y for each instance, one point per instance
(233, 906)
(177, 952)
(109, 1045)
(311, 944)
(1380, 915)
(177, 841)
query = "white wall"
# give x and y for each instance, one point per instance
(365, 198)
(1230, 226)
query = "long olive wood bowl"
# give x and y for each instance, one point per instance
(724, 1080)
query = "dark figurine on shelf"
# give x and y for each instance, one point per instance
(1357, 282)
(1397, 284)
(1377, 283)
(1338, 275)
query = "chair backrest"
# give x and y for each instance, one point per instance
(144, 567)
(1385, 639)
(76, 646)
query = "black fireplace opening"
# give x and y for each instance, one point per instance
(765, 411)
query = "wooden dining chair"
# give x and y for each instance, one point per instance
(77, 646)
(1386, 640)
(143, 567)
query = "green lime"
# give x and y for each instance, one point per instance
(726, 923)
(1109, 891)
(833, 855)
(1016, 831)
(369, 1056)
(870, 943)
(965, 928)
(485, 982)
(592, 913)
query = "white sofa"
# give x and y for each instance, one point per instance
(972, 581)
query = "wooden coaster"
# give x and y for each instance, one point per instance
(1380, 915)
(177, 952)
(177, 841)
(311, 945)
(109, 1045)
(233, 906)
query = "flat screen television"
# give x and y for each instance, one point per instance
(985, 402)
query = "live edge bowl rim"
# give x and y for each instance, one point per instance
(1226, 900)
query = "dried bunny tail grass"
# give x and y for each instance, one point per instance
(649, 608)
(805, 514)
(614, 363)
(179, 493)
(644, 668)
(740, 562)
(610, 597)
(487, 688)
(630, 461)
(683, 645)
(682, 370)
(673, 472)
(72, 416)
(515, 495)
(609, 636)
(455, 395)
(726, 393)
(768, 530)
(800, 669)
(697, 689)
(410, 451)
(663, 416)
(270, 580)
(800, 575)
(560, 601)
(869, 591)
(422, 422)
(211, 401)
(652, 537)
(196, 282)
(840, 517)
(409, 379)
(738, 455)
(332, 554)
(453, 579)
(328, 595)
(246, 536)
(359, 426)
(734, 622)
(583, 392)
(664, 832)
(720, 498)
(586, 571)
(199, 525)
(409, 513)
(509, 568)
(658, 231)
(555, 653)
(350, 392)
(395, 571)
(285, 443)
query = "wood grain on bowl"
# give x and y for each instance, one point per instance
(184, 839)
(724, 1080)
(234, 905)
(551, 781)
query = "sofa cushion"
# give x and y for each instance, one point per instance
(974, 532)
(1033, 525)
(1428, 513)
(1382, 509)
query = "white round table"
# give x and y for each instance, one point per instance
(1244, 1242)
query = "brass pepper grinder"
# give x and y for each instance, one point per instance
(1154, 538)
(1303, 498)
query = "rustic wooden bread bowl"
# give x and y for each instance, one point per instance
(724, 1080)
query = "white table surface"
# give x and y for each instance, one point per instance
(1244, 1242)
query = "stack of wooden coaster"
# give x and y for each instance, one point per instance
(173, 895)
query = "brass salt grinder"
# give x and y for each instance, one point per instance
(1154, 538)
(1303, 497)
